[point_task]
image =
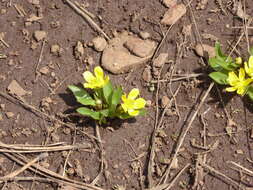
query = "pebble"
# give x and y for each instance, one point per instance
(55, 49)
(79, 50)
(139, 47)
(200, 49)
(9, 115)
(144, 35)
(121, 58)
(44, 70)
(169, 3)
(174, 14)
(99, 43)
(148, 103)
(164, 101)
(146, 75)
(39, 35)
(160, 60)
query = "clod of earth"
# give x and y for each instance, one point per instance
(15, 89)
(99, 43)
(139, 47)
(79, 50)
(44, 70)
(9, 115)
(200, 49)
(164, 101)
(169, 3)
(144, 35)
(39, 35)
(56, 49)
(160, 60)
(146, 75)
(174, 14)
(125, 52)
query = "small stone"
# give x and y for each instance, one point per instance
(160, 60)
(164, 101)
(70, 171)
(40, 35)
(146, 75)
(148, 103)
(2, 106)
(3, 11)
(239, 151)
(144, 35)
(200, 49)
(99, 43)
(34, 2)
(1, 118)
(11, 62)
(115, 166)
(139, 47)
(44, 70)
(117, 58)
(28, 24)
(174, 14)
(79, 50)
(55, 49)
(9, 115)
(169, 3)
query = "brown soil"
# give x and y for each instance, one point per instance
(126, 144)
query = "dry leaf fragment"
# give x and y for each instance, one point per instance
(15, 89)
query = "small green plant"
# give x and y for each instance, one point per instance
(229, 71)
(105, 100)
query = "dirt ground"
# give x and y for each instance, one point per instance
(213, 154)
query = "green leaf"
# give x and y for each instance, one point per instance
(250, 92)
(218, 50)
(82, 96)
(88, 112)
(105, 112)
(107, 91)
(219, 77)
(115, 100)
(251, 51)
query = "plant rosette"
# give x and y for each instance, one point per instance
(229, 71)
(106, 101)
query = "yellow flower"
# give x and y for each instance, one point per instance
(249, 66)
(238, 84)
(97, 81)
(130, 104)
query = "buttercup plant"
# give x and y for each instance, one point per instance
(229, 71)
(106, 101)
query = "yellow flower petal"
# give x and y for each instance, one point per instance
(241, 90)
(246, 67)
(230, 89)
(232, 77)
(139, 103)
(133, 93)
(99, 73)
(133, 112)
(241, 74)
(251, 61)
(88, 76)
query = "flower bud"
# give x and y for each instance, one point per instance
(238, 60)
